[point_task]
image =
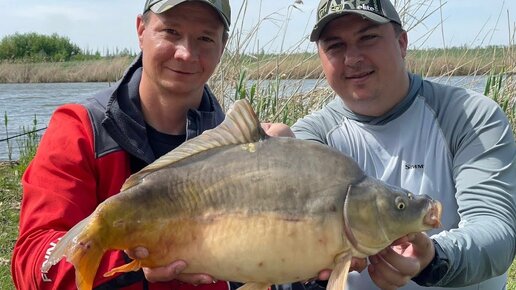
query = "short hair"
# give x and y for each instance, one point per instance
(398, 29)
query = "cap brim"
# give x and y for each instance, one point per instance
(319, 27)
(163, 6)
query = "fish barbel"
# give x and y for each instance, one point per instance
(241, 206)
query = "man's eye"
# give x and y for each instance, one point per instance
(207, 39)
(170, 31)
(369, 37)
(333, 46)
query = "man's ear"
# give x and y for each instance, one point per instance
(403, 42)
(140, 28)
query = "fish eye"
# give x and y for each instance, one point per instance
(400, 203)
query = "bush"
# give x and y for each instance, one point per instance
(35, 47)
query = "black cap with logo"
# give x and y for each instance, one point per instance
(381, 11)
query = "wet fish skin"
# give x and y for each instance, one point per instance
(241, 206)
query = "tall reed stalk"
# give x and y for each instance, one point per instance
(27, 143)
(9, 148)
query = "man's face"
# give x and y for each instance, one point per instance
(181, 48)
(364, 63)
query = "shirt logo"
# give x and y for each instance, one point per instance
(44, 276)
(414, 166)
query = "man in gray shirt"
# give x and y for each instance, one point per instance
(450, 143)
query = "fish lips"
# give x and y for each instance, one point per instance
(433, 216)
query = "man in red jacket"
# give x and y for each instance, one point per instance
(89, 149)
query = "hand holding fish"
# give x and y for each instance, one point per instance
(405, 258)
(169, 272)
(277, 130)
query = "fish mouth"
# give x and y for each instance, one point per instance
(433, 216)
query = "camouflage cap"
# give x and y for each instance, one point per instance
(380, 11)
(221, 6)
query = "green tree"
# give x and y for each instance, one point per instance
(35, 47)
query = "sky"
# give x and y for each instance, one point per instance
(261, 25)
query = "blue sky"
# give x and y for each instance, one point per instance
(110, 24)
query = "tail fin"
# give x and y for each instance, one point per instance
(81, 246)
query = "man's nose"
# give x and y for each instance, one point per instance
(353, 56)
(186, 51)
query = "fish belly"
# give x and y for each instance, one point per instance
(264, 248)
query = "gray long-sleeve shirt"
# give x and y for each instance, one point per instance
(452, 144)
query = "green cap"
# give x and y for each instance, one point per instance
(221, 6)
(380, 11)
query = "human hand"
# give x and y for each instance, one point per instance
(277, 130)
(169, 272)
(394, 266)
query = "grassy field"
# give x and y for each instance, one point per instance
(432, 62)
(10, 197)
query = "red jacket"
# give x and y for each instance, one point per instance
(64, 183)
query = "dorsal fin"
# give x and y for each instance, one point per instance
(241, 126)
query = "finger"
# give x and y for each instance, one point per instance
(384, 275)
(405, 239)
(422, 242)
(265, 126)
(195, 279)
(324, 275)
(358, 264)
(165, 273)
(137, 253)
(405, 265)
(424, 249)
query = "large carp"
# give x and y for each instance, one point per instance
(242, 206)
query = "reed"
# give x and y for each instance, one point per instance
(8, 142)
(103, 70)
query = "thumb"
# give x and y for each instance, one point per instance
(424, 249)
(421, 242)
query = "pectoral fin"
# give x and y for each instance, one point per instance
(135, 265)
(339, 275)
(254, 286)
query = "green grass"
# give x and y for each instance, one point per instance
(511, 281)
(10, 198)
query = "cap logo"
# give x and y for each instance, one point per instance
(323, 10)
(339, 5)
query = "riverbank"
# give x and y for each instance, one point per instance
(434, 62)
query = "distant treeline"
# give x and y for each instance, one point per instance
(33, 47)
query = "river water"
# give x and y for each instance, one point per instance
(25, 103)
